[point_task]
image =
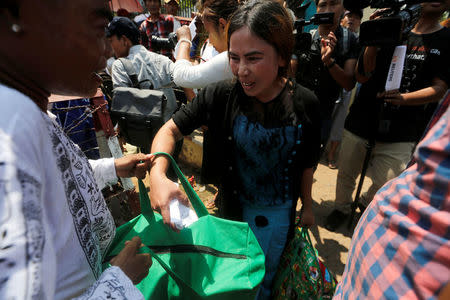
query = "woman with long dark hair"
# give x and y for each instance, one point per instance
(266, 133)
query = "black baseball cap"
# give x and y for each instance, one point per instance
(123, 26)
(358, 12)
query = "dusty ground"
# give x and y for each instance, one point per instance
(331, 246)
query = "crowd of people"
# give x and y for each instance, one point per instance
(268, 115)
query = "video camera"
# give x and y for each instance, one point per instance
(393, 26)
(307, 73)
(168, 43)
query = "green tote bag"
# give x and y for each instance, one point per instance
(301, 275)
(213, 258)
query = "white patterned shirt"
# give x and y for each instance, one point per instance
(55, 227)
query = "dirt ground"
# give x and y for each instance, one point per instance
(331, 246)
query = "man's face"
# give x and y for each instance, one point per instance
(119, 46)
(68, 39)
(351, 21)
(172, 8)
(334, 6)
(153, 6)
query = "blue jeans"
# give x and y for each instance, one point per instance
(271, 237)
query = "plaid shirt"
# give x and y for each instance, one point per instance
(160, 28)
(401, 246)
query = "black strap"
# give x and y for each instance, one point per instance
(131, 72)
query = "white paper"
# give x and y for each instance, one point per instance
(193, 28)
(181, 215)
(396, 69)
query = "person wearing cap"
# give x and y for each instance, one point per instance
(172, 7)
(154, 70)
(352, 20)
(330, 63)
(156, 25)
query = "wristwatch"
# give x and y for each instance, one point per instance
(331, 64)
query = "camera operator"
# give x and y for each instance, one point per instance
(351, 21)
(392, 121)
(156, 25)
(338, 51)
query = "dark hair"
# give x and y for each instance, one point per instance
(122, 26)
(218, 9)
(358, 12)
(269, 21)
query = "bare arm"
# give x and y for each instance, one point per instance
(344, 77)
(306, 213)
(369, 62)
(162, 189)
(433, 93)
(184, 48)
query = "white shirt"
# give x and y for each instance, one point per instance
(55, 227)
(208, 51)
(153, 71)
(214, 70)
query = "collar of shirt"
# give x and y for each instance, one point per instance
(135, 49)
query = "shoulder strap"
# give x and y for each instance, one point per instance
(314, 34)
(131, 72)
(315, 39)
(345, 35)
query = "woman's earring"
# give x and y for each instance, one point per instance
(16, 28)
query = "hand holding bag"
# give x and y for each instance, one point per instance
(212, 258)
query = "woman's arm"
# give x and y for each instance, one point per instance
(162, 189)
(214, 70)
(306, 213)
(433, 93)
(106, 170)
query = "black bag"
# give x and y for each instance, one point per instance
(140, 112)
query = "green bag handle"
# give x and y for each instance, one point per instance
(147, 211)
(169, 271)
(197, 204)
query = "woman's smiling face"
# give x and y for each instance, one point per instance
(255, 63)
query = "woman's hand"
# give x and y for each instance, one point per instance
(162, 191)
(392, 97)
(133, 165)
(134, 265)
(307, 218)
(184, 32)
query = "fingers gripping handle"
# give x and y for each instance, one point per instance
(197, 204)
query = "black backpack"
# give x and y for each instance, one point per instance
(139, 112)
